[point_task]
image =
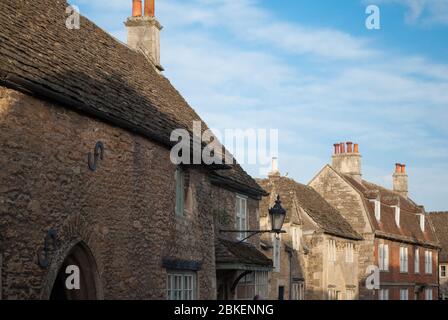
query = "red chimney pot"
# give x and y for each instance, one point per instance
(349, 147)
(149, 8)
(136, 8)
(342, 147)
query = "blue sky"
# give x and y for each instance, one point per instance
(312, 70)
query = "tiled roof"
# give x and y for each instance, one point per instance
(439, 220)
(91, 72)
(409, 229)
(234, 253)
(325, 215)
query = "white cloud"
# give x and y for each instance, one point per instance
(426, 11)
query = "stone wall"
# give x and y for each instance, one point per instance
(123, 211)
(343, 197)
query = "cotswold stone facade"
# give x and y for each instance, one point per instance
(123, 212)
(87, 179)
(317, 257)
(398, 238)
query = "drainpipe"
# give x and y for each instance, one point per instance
(290, 251)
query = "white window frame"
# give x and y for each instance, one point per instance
(180, 191)
(276, 251)
(331, 250)
(383, 257)
(428, 294)
(397, 215)
(404, 294)
(350, 294)
(383, 294)
(241, 222)
(377, 204)
(443, 274)
(296, 235)
(333, 294)
(428, 262)
(349, 253)
(417, 260)
(252, 284)
(298, 291)
(404, 261)
(181, 285)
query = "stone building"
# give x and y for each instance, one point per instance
(87, 179)
(317, 257)
(439, 221)
(397, 236)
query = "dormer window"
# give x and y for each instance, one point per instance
(397, 215)
(422, 222)
(377, 204)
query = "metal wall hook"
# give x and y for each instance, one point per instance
(97, 154)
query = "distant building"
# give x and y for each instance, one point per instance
(317, 259)
(439, 221)
(398, 237)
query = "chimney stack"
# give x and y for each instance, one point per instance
(274, 168)
(144, 31)
(347, 161)
(400, 180)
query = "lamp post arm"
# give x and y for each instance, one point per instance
(252, 233)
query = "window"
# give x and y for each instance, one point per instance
(443, 271)
(333, 294)
(296, 234)
(422, 222)
(383, 294)
(349, 253)
(252, 284)
(298, 291)
(403, 259)
(383, 257)
(397, 215)
(180, 191)
(428, 262)
(417, 261)
(428, 293)
(377, 204)
(331, 250)
(350, 294)
(181, 286)
(277, 244)
(241, 216)
(404, 294)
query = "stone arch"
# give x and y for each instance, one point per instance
(76, 253)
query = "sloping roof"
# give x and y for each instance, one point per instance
(439, 220)
(326, 216)
(409, 229)
(243, 254)
(91, 72)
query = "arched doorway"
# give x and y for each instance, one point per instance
(80, 256)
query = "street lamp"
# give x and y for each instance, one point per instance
(277, 217)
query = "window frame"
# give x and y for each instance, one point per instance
(417, 260)
(428, 294)
(383, 257)
(404, 294)
(332, 251)
(173, 292)
(383, 294)
(239, 216)
(404, 260)
(349, 253)
(428, 262)
(444, 267)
